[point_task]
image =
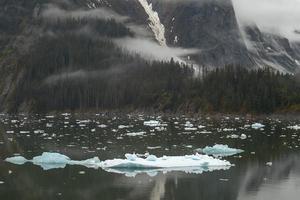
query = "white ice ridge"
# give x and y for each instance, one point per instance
(154, 22)
(220, 150)
(131, 164)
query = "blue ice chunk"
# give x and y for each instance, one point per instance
(151, 158)
(130, 157)
(17, 160)
(221, 150)
(51, 160)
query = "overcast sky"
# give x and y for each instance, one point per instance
(281, 16)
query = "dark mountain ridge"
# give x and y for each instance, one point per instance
(72, 54)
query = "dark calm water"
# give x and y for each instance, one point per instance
(82, 137)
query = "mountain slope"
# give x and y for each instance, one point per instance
(83, 51)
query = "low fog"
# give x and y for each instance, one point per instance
(54, 12)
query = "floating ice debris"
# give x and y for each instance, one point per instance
(48, 125)
(156, 147)
(102, 126)
(152, 123)
(257, 126)
(220, 150)
(296, 127)
(1, 182)
(229, 129)
(50, 116)
(24, 132)
(205, 132)
(269, 164)
(38, 131)
(190, 128)
(188, 124)
(9, 132)
(160, 128)
(123, 126)
(200, 126)
(132, 164)
(224, 179)
(133, 134)
(233, 136)
(243, 136)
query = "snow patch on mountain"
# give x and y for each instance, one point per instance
(154, 23)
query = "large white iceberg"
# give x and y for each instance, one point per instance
(152, 161)
(220, 150)
(132, 164)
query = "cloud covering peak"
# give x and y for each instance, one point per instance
(275, 16)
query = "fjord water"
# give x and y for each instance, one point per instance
(269, 167)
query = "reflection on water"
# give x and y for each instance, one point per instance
(82, 137)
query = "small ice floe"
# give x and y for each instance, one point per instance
(9, 132)
(269, 164)
(152, 123)
(257, 126)
(1, 182)
(123, 126)
(205, 132)
(295, 127)
(233, 136)
(159, 129)
(38, 131)
(190, 129)
(24, 132)
(50, 116)
(243, 136)
(154, 147)
(188, 124)
(228, 129)
(200, 126)
(133, 134)
(17, 160)
(102, 126)
(49, 125)
(224, 179)
(220, 150)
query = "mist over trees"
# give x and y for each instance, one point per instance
(76, 72)
(74, 64)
